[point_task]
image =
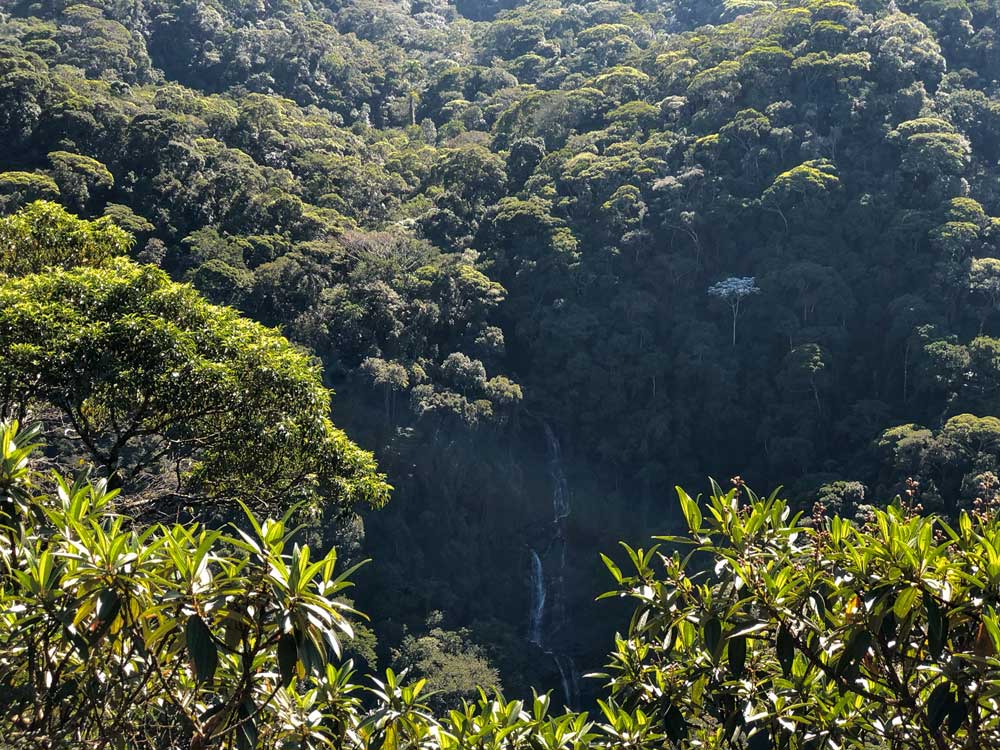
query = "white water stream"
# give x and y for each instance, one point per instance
(537, 579)
(549, 591)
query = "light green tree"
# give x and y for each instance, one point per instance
(43, 235)
(168, 392)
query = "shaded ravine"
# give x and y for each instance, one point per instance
(547, 616)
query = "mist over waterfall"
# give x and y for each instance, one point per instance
(549, 590)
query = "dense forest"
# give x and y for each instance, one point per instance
(546, 260)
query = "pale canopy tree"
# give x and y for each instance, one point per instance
(733, 291)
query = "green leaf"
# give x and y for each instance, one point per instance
(211, 711)
(905, 601)
(938, 705)
(615, 570)
(733, 724)
(234, 631)
(887, 628)
(785, 648)
(937, 627)
(856, 648)
(674, 723)
(310, 654)
(993, 629)
(965, 525)
(737, 655)
(78, 641)
(713, 634)
(957, 715)
(246, 730)
(692, 513)
(108, 606)
(750, 629)
(819, 604)
(287, 657)
(201, 648)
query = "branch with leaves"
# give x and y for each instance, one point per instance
(775, 632)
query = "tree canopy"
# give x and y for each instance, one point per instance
(493, 219)
(151, 379)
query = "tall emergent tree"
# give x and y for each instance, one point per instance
(733, 291)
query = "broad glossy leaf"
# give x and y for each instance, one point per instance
(855, 650)
(785, 648)
(957, 715)
(713, 634)
(737, 655)
(287, 657)
(939, 704)
(692, 513)
(905, 601)
(937, 627)
(202, 650)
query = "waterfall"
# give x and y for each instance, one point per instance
(560, 492)
(537, 600)
(551, 591)
(568, 677)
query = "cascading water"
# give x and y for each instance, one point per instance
(551, 591)
(537, 600)
(568, 677)
(560, 492)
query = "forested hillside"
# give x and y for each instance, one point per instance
(553, 258)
